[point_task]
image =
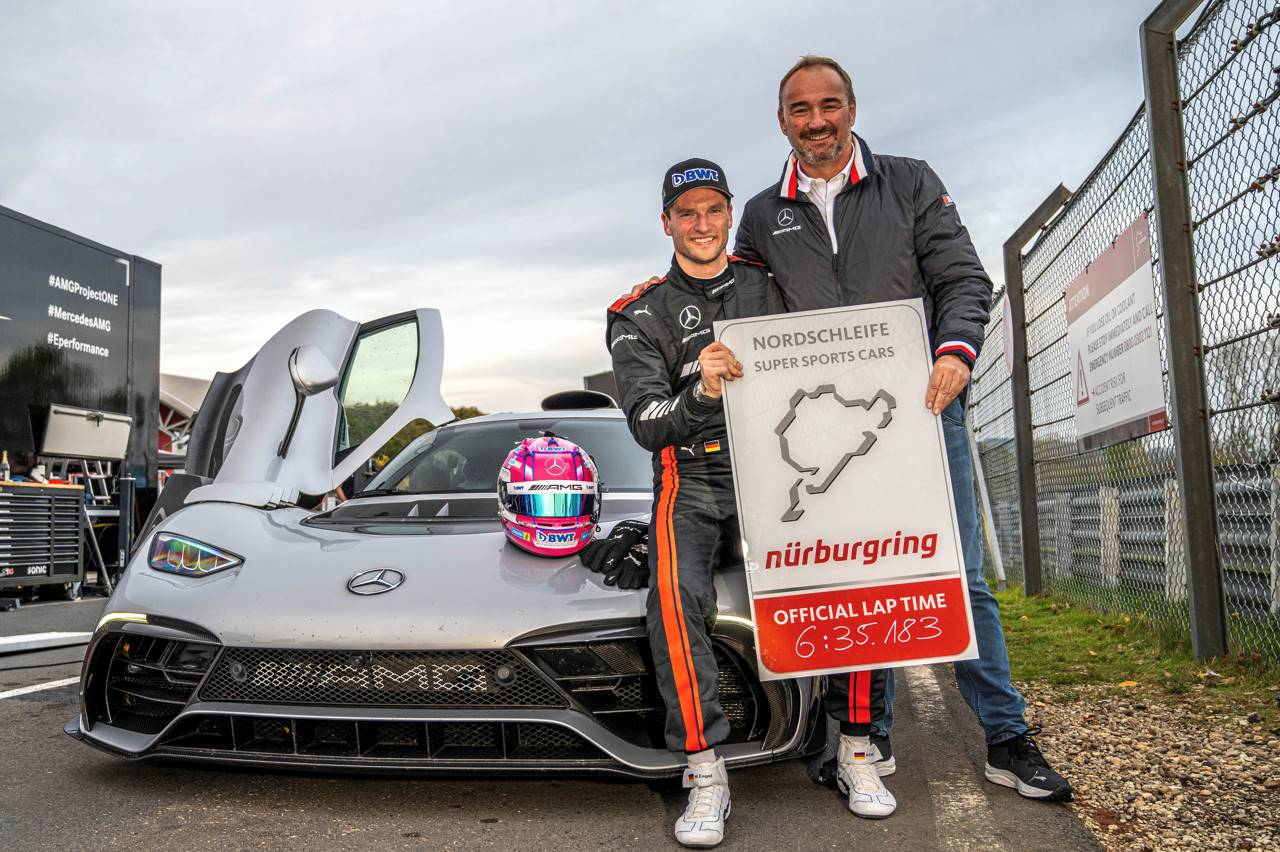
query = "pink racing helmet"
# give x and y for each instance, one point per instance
(549, 496)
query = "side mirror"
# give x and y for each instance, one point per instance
(311, 371)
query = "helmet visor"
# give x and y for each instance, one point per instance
(551, 505)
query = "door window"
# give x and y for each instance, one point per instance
(377, 381)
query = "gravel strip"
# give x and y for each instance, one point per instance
(1151, 775)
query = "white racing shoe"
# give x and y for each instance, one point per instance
(857, 777)
(702, 824)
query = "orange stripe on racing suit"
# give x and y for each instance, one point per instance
(678, 649)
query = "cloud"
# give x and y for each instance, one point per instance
(501, 161)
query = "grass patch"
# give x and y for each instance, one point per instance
(1063, 645)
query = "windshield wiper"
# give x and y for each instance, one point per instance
(376, 492)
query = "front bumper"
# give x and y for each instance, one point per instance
(134, 707)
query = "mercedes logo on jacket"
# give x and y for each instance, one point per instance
(375, 582)
(690, 317)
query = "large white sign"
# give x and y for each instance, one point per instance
(1114, 345)
(852, 552)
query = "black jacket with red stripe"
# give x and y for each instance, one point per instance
(898, 237)
(655, 338)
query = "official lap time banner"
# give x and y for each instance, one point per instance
(852, 551)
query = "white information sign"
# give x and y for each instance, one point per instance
(852, 553)
(1114, 345)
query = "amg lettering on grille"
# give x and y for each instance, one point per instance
(422, 676)
(489, 678)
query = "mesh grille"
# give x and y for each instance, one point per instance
(544, 737)
(621, 657)
(631, 695)
(386, 743)
(464, 735)
(379, 678)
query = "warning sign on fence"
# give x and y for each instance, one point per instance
(1115, 345)
(852, 553)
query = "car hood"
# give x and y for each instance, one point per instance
(462, 590)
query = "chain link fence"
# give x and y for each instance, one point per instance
(1110, 519)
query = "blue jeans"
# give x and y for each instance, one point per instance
(985, 682)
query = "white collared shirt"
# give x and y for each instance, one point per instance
(823, 193)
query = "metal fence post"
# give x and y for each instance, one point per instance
(1190, 410)
(1033, 577)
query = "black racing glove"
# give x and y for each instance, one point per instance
(632, 570)
(617, 557)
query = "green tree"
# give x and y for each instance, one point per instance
(364, 418)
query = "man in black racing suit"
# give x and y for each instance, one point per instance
(670, 374)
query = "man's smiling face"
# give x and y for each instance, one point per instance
(698, 223)
(817, 116)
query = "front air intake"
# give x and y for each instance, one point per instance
(140, 683)
(385, 743)
(614, 681)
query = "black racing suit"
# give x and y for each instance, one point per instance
(655, 340)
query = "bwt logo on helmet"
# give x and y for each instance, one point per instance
(564, 539)
(688, 175)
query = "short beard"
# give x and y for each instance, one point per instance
(832, 156)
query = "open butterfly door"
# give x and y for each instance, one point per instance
(316, 402)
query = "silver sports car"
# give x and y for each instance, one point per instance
(397, 631)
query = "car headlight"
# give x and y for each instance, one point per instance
(177, 554)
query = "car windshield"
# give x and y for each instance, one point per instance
(465, 457)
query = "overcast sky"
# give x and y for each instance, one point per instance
(502, 161)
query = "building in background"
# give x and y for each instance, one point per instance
(180, 398)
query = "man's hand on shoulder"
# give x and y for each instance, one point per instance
(718, 365)
(639, 289)
(949, 378)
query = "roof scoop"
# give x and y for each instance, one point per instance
(577, 399)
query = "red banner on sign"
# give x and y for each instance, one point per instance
(862, 628)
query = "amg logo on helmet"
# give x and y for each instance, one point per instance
(572, 487)
(680, 178)
(564, 539)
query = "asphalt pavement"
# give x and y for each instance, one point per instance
(62, 794)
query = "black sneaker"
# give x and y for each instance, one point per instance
(1018, 763)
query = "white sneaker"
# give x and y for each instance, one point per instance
(858, 778)
(703, 821)
(886, 763)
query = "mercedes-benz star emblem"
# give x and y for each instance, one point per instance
(375, 582)
(556, 466)
(786, 217)
(690, 317)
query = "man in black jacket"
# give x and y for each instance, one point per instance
(670, 375)
(846, 227)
